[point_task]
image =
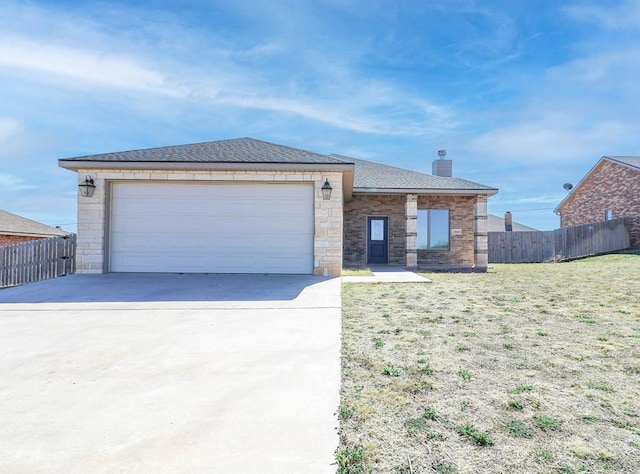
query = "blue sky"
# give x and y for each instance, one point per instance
(524, 95)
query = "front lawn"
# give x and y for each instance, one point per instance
(527, 368)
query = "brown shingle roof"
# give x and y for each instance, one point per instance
(369, 176)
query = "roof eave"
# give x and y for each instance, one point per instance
(452, 191)
(76, 165)
(32, 234)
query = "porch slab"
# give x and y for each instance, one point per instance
(387, 274)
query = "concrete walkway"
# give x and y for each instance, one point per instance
(387, 274)
(170, 374)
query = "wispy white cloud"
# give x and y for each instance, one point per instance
(616, 16)
(11, 183)
(9, 128)
(297, 76)
(82, 65)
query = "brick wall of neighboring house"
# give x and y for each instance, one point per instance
(16, 239)
(356, 212)
(609, 187)
(461, 247)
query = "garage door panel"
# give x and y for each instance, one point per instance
(212, 228)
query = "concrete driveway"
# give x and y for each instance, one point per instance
(170, 373)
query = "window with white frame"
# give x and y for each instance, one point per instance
(433, 229)
(608, 215)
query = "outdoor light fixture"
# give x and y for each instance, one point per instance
(326, 190)
(87, 187)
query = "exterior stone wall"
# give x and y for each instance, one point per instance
(16, 239)
(92, 243)
(611, 187)
(356, 212)
(462, 244)
(411, 230)
(481, 234)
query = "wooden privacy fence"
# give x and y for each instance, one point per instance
(37, 260)
(567, 242)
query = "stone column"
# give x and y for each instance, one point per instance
(411, 230)
(481, 243)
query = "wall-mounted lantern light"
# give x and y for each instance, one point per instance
(326, 190)
(87, 187)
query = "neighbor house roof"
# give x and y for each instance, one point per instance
(12, 224)
(632, 162)
(496, 224)
(361, 175)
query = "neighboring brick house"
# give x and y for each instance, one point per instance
(15, 229)
(248, 206)
(610, 190)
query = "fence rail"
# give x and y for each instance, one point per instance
(37, 260)
(567, 242)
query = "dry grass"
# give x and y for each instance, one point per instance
(528, 368)
(356, 272)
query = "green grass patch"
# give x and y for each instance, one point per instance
(519, 429)
(522, 388)
(464, 374)
(478, 437)
(546, 423)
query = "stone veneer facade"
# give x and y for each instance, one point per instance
(610, 186)
(468, 230)
(16, 239)
(92, 243)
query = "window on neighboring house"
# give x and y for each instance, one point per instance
(608, 214)
(433, 229)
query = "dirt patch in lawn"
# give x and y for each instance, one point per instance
(527, 368)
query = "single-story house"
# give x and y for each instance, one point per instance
(501, 224)
(249, 206)
(16, 229)
(608, 191)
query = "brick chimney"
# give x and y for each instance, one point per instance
(441, 166)
(508, 222)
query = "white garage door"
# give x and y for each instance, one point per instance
(212, 228)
